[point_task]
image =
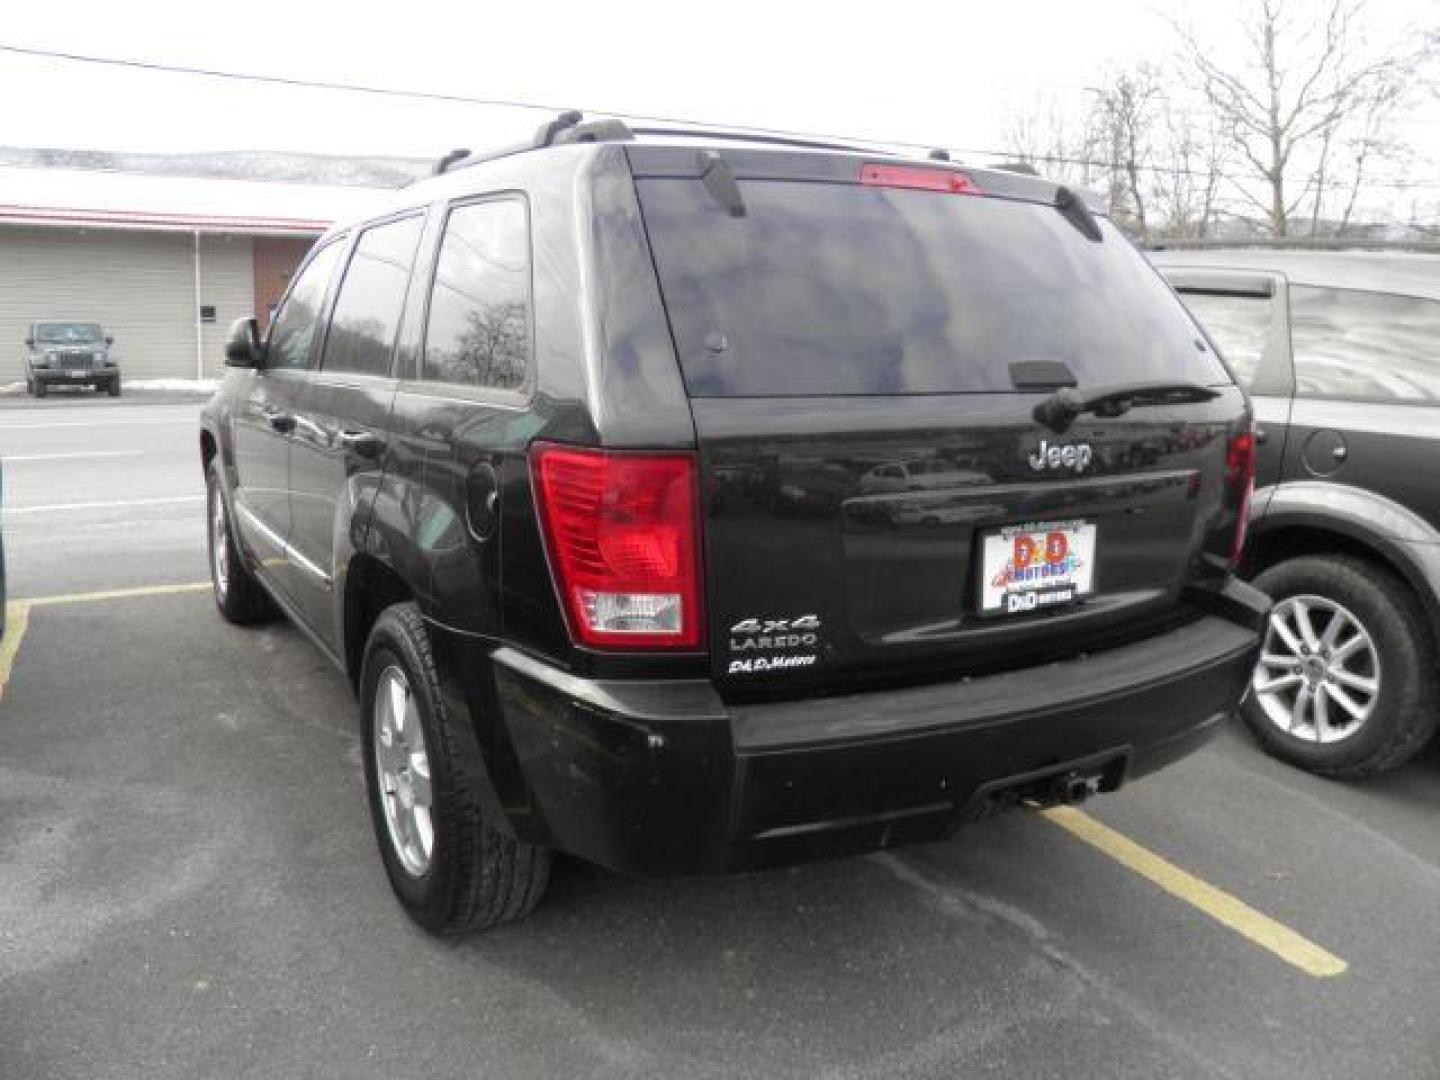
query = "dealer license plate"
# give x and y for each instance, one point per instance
(1037, 565)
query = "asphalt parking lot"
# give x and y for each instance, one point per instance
(189, 885)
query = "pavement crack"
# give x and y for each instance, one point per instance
(956, 901)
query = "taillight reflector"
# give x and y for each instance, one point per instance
(621, 530)
(918, 178)
(1240, 478)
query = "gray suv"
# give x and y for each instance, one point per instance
(64, 353)
(1341, 354)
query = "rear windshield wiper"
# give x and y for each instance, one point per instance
(1060, 409)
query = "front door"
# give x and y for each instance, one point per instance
(264, 421)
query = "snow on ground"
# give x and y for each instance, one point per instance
(200, 386)
(182, 386)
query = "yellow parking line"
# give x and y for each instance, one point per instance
(17, 618)
(1218, 904)
(17, 615)
(117, 594)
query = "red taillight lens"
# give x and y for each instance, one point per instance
(1240, 478)
(921, 179)
(621, 530)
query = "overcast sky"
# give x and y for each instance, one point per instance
(934, 73)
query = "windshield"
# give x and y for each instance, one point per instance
(68, 333)
(842, 289)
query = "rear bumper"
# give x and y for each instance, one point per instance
(664, 778)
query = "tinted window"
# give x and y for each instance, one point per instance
(294, 327)
(1351, 344)
(1238, 324)
(479, 326)
(844, 289)
(372, 296)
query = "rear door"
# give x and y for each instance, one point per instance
(880, 500)
(1367, 397)
(342, 417)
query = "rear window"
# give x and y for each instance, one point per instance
(841, 289)
(1240, 325)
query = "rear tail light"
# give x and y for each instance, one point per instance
(919, 178)
(1240, 479)
(621, 530)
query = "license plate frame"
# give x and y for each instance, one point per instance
(1053, 573)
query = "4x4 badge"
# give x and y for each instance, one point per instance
(1077, 456)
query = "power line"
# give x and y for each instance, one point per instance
(550, 107)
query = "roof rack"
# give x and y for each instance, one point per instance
(570, 127)
(565, 128)
(740, 135)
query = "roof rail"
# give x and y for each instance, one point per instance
(569, 127)
(566, 127)
(740, 135)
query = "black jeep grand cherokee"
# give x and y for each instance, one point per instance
(571, 459)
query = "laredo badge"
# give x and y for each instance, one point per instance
(766, 644)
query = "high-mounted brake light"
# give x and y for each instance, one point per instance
(1240, 479)
(918, 178)
(622, 533)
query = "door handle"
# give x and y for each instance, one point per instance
(365, 443)
(282, 422)
(1261, 435)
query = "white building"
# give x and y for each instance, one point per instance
(164, 263)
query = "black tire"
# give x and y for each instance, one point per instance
(1406, 710)
(40, 388)
(114, 386)
(240, 597)
(479, 875)
(30, 387)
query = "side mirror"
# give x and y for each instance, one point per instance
(243, 348)
(29, 342)
(109, 340)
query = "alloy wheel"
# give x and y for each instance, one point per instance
(1318, 678)
(403, 770)
(219, 545)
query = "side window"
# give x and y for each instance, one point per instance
(1240, 325)
(1366, 345)
(372, 296)
(478, 332)
(294, 328)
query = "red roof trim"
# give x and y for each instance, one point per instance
(143, 217)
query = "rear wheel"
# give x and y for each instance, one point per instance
(114, 386)
(451, 869)
(239, 596)
(40, 388)
(1346, 683)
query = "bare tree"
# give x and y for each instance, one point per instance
(1055, 136)
(1303, 92)
(1159, 167)
(1124, 114)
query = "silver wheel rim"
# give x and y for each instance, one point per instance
(403, 771)
(219, 548)
(1318, 678)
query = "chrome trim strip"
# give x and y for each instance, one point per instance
(286, 550)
